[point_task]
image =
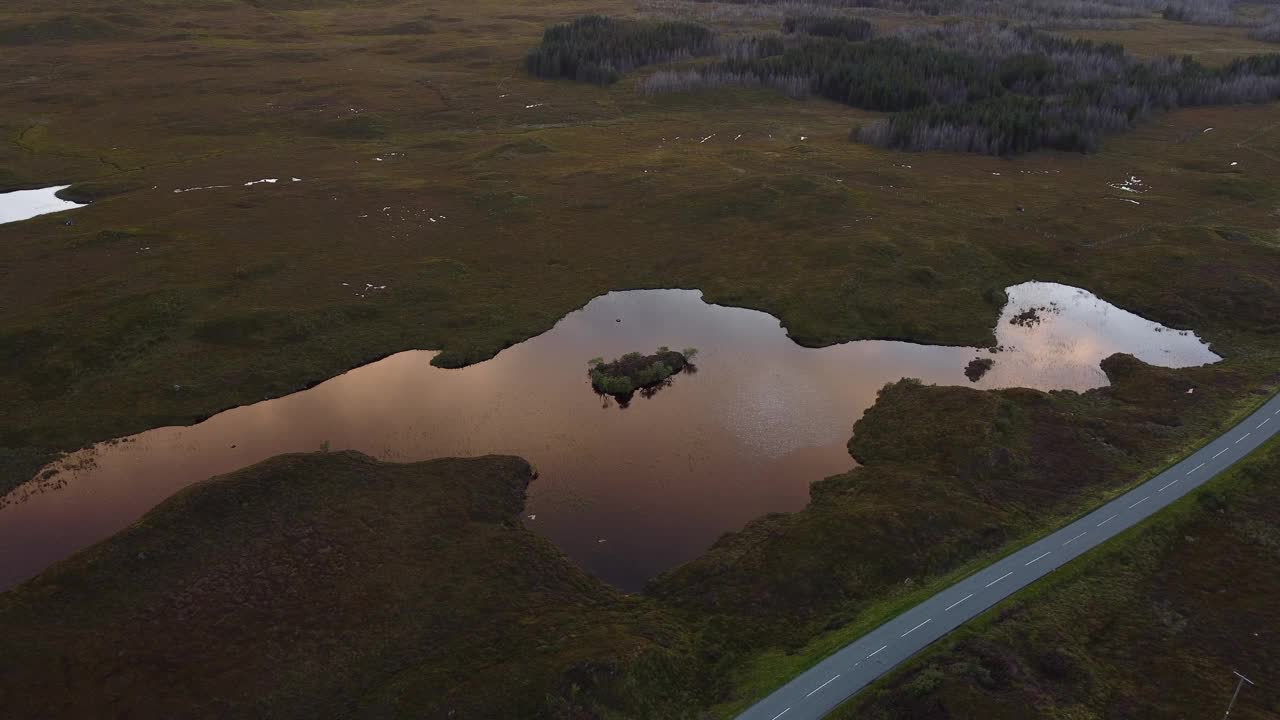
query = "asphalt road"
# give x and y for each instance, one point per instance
(821, 688)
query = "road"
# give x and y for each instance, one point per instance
(821, 688)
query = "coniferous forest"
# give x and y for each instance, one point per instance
(979, 87)
(600, 50)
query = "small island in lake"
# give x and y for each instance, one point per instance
(622, 377)
(978, 367)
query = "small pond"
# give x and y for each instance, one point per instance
(626, 492)
(26, 204)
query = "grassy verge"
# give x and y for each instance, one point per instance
(773, 668)
(1153, 587)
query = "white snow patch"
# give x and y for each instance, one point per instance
(26, 204)
(206, 187)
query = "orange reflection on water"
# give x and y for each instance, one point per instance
(625, 492)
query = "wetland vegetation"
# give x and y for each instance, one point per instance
(449, 199)
(623, 376)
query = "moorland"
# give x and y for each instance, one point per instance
(446, 198)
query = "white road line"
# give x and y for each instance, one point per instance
(1139, 502)
(926, 622)
(1075, 538)
(1035, 560)
(1264, 422)
(1168, 485)
(822, 685)
(1195, 468)
(876, 652)
(784, 712)
(1215, 457)
(1104, 522)
(993, 582)
(966, 597)
(1242, 437)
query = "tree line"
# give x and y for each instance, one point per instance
(996, 89)
(600, 49)
(833, 26)
(973, 87)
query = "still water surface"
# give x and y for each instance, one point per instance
(626, 492)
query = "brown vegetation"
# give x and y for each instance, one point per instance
(326, 586)
(1150, 626)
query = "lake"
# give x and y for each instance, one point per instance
(627, 492)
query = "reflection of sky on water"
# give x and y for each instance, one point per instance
(657, 481)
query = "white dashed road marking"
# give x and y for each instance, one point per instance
(1264, 422)
(1074, 539)
(1035, 560)
(822, 685)
(784, 712)
(1139, 502)
(1167, 486)
(1104, 522)
(993, 582)
(1215, 457)
(966, 597)
(926, 622)
(874, 653)
(1242, 437)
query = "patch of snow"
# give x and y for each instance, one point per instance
(206, 187)
(26, 204)
(529, 107)
(264, 180)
